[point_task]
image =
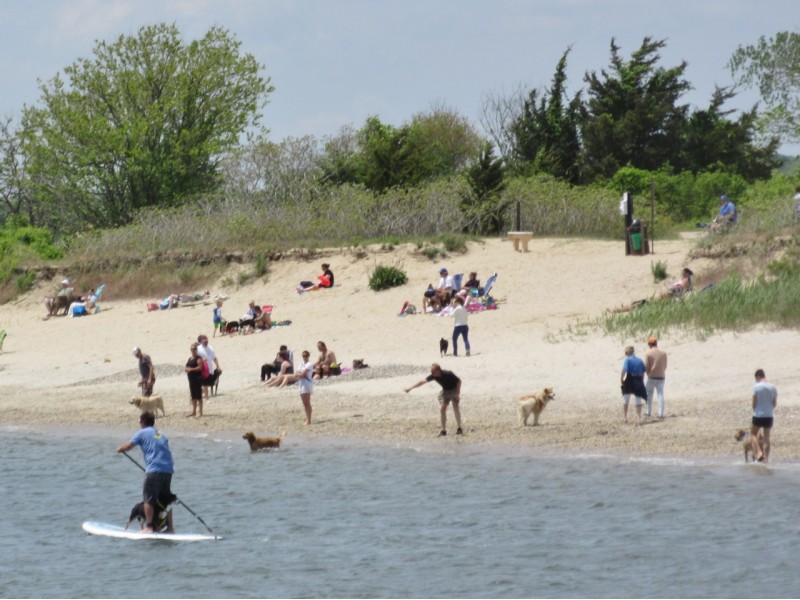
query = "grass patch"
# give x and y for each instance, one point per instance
(659, 270)
(735, 304)
(385, 277)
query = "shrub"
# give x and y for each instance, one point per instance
(659, 270)
(384, 277)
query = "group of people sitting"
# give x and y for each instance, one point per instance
(73, 305)
(255, 319)
(436, 298)
(281, 372)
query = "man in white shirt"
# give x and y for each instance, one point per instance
(207, 353)
(444, 291)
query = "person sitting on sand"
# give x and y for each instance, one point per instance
(677, 289)
(324, 280)
(326, 364)
(65, 291)
(430, 300)
(247, 323)
(286, 374)
(169, 302)
(263, 320)
(473, 283)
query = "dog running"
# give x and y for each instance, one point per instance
(533, 404)
(443, 345)
(262, 443)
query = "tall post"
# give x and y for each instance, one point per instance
(626, 209)
(519, 220)
(652, 213)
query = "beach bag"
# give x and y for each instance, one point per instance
(205, 372)
(152, 306)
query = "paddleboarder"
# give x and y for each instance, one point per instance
(158, 470)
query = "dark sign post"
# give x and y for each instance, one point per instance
(626, 210)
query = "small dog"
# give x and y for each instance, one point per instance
(152, 404)
(262, 443)
(533, 404)
(159, 519)
(747, 442)
(358, 363)
(443, 345)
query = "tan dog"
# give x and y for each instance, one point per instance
(152, 403)
(747, 442)
(533, 404)
(262, 443)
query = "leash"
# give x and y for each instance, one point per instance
(198, 517)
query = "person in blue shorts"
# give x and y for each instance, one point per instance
(158, 467)
(632, 380)
(765, 399)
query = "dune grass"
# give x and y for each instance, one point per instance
(734, 304)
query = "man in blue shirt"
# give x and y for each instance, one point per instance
(158, 470)
(727, 214)
(632, 380)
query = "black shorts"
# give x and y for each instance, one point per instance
(765, 422)
(156, 485)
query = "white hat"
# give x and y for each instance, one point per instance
(65, 282)
(136, 351)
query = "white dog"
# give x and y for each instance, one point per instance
(153, 403)
(533, 404)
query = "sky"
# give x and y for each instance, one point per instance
(338, 62)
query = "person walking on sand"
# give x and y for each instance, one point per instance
(450, 394)
(632, 380)
(147, 372)
(460, 328)
(655, 362)
(765, 400)
(306, 380)
(216, 317)
(158, 470)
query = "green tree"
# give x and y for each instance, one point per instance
(484, 206)
(381, 156)
(142, 123)
(546, 133)
(714, 142)
(632, 115)
(773, 66)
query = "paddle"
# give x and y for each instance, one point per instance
(198, 517)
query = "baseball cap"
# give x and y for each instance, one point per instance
(442, 270)
(652, 340)
(65, 282)
(723, 197)
(136, 351)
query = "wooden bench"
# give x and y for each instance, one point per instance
(520, 237)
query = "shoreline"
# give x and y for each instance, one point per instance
(74, 372)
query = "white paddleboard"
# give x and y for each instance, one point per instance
(116, 531)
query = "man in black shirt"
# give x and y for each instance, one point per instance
(451, 393)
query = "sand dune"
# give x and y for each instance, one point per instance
(80, 372)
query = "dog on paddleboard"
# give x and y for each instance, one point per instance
(159, 519)
(262, 443)
(149, 404)
(747, 443)
(534, 404)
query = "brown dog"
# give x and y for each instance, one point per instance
(262, 443)
(747, 442)
(533, 404)
(151, 403)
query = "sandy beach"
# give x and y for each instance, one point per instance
(80, 371)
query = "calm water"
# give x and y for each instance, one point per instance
(329, 518)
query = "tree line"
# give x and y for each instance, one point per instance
(151, 121)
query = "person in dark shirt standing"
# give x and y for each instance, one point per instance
(450, 394)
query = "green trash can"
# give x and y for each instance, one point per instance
(636, 241)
